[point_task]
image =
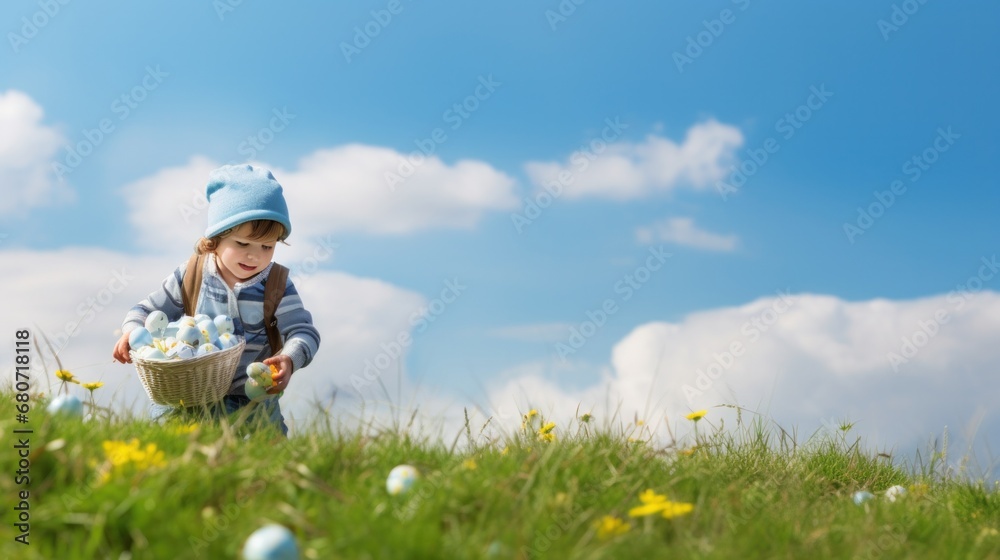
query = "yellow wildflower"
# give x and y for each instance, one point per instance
(469, 464)
(545, 432)
(120, 455)
(181, 430)
(531, 414)
(92, 386)
(687, 452)
(653, 503)
(66, 376)
(610, 526)
(697, 415)
(505, 451)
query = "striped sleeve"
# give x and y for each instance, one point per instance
(166, 298)
(296, 326)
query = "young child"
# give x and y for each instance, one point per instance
(247, 216)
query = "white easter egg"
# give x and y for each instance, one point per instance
(139, 337)
(181, 352)
(862, 496)
(66, 405)
(227, 340)
(206, 349)
(156, 322)
(200, 318)
(261, 373)
(189, 335)
(894, 492)
(186, 321)
(224, 323)
(151, 353)
(171, 330)
(271, 542)
(209, 331)
(401, 479)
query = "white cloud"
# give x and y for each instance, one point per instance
(683, 232)
(627, 171)
(334, 190)
(806, 360)
(27, 149)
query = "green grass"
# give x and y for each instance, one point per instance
(757, 493)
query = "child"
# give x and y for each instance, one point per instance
(247, 215)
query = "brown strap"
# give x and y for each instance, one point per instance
(274, 290)
(192, 283)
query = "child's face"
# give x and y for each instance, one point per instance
(241, 257)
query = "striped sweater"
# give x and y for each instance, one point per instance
(245, 304)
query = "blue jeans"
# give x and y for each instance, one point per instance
(267, 411)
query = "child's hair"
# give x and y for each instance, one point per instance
(259, 229)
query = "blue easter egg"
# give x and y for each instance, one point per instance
(66, 405)
(271, 542)
(139, 337)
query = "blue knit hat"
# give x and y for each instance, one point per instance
(240, 193)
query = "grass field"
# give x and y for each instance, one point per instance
(747, 491)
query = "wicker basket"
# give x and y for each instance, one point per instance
(192, 382)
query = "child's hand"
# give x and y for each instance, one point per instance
(284, 375)
(121, 350)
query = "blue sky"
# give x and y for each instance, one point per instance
(225, 75)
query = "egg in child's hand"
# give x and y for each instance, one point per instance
(156, 323)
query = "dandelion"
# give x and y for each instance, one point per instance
(92, 386)
(697, 415)
(545, 432)
(469, 464)
(653, 503)
(66, 376)
(610, 526)
(123, 455)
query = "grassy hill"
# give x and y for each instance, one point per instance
(124, 488)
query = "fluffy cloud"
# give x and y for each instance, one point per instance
(683, 232)
(27, 148)
(627, 171)
(904, 370)
(333, 190)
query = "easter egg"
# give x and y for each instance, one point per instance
(139, 337)
(171, 329)
(206, 349)
(261, 373)
(271, 542)
(156, 322)
(181, 352)
(186, 321)
(401, 479)
(224, 324)
(151, 353)
(227, 340)
(894, 492)
(209, 331)
(255, 392)
(201, 318)
(189, 335)
(862, 496)
(66, 405)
